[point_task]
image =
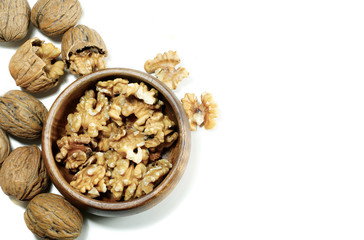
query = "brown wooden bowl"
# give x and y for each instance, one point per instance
(54, 128)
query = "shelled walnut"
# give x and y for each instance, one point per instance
(91, 114)
(74, 150)
(83, 50)
(109, 138)
(35, 67)
(164, 67)
(203, 114)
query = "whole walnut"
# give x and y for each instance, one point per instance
(51, 216)
(4, 146)
(55, 17)
(34, 66)
(14, 19)
(23, 174)
(21, 114)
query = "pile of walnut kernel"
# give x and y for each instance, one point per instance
(115, 139)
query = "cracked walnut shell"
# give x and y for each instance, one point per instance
(83, 50)
(203, 114)
(23, 174)
(34, 66)
(21, 114)
(164, 67)
(50, 216)
(14, 19)
(54, 17)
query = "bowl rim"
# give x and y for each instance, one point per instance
(146, 201)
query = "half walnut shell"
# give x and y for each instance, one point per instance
(34, 66)
(83, 50)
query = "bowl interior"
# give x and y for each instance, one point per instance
(66, 103)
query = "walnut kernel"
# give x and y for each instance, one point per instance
(164, 67)
(203, 114)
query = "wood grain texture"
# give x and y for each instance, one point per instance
(54, 17)
(14, 19)
(66, 102)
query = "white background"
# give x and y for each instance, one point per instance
(286, 158)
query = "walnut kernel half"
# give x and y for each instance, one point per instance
(203, 114)
(164, 67)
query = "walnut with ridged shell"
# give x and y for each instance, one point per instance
(55, 17)
(4, 146)
(14, 20)
(23, 174)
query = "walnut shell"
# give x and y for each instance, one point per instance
(34, 68)
(55, 17)
(51, 216)
(14, 19)
(4, 146)
(21, 114)
(86, 44)
(23, 174)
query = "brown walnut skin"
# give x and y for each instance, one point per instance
(54, 17)
(14, 19)
(28, 69)
(4, 146)
(79, 38)
(50, 216)
(22, 115)
(23, 174)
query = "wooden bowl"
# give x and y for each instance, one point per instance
(54, 129)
